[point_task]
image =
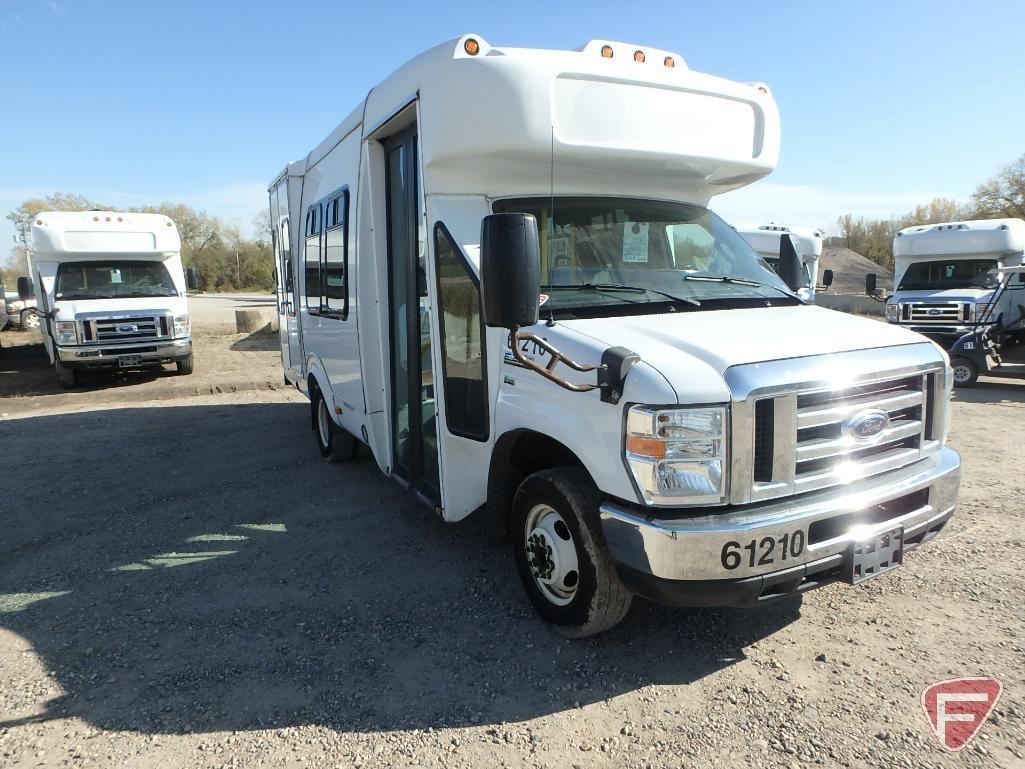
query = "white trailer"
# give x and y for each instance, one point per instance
(768, 239)
(678, 424)
(112, 292)
(946, 275)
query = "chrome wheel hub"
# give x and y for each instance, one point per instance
(551, 554)
(962, 373)
(323, 427)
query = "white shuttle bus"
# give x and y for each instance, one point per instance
(500, 273)
(767, 239)
(946, 275)
(112, 292)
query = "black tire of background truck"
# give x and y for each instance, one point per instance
(68, 376)
(184, 366)
(600, 601)
(339, 446)
(966, 370)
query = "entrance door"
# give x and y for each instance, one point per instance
(288, 322)
(414, 429)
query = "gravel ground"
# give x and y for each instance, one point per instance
(185, 583)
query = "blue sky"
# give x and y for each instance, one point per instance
(884, 104)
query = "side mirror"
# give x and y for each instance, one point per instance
(510, 258)
(26, 290)
(870, 284)
(789, 263)
(192, 279)
(827, 278)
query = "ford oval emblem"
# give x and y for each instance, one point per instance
(865, 425)
(128, 328)
(935, 312)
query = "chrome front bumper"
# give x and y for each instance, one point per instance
(156, 352)
(686, 545)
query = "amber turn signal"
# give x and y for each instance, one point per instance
(606, 51)
(646, 447)
(471, 46)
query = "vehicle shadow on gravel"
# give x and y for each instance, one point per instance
(992, 390)
(201, 568)
(25, 370)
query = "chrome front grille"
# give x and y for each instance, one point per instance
(118, 329)
(791, 438)
(935, 312)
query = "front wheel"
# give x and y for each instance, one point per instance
(68, 376)
(29, 319)
(184, 366)
(561, 554)
(966, 373)
(335, 444)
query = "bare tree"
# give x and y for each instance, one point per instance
(1004, 194)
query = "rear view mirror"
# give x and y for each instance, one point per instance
(26, 290)
(870, 284)
(510, 270)
(827, 278)
(192, 279)
(789, 263)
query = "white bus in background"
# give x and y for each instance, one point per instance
(111, 291)
(500, 273)
(766, 240)
(945, 276)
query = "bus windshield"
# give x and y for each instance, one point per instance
(950, 273)
(113, 279)
(599, 252)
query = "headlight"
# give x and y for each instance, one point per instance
(65, 333)
(892, 313)
(978, 310)
(677, 456)
(181, 326)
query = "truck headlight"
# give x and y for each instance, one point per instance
(65, 333)
(892, 313)
(677, 456)
(978, 310)
(181, 326)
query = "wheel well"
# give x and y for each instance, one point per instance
(516, 455)
(312, 388)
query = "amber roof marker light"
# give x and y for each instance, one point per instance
(669, 61)
(606, 51)
(639, 56)
(471, 46)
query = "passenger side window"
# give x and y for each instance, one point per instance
(314, 290)
(462, 340)
(336, 261)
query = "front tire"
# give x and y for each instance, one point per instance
(29, 319)
(561, 554)
(335, 443)
(966, 373)
(68, 376)
(184, 366)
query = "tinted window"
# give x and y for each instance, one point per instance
(336, 268)
(462, 341)
(313, 287)
(949, 273)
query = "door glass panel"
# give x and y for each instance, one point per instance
(398, 245)
(428, 407)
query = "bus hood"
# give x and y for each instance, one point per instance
(678, 343)
(71, 308)
(944, 295)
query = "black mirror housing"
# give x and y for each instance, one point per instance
(192, 279)
(26, 290)
(789, 263)
(827, 278)
(870, 284)
(510, 257)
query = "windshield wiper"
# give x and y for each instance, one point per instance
(738, 282)
(612, 287)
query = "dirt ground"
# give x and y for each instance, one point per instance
(184, 582)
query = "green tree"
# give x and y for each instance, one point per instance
(1003, 195)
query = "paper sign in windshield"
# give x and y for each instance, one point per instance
(635, 242)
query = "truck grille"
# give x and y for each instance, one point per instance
(121, 329)
(935, 312)
(804, 439)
